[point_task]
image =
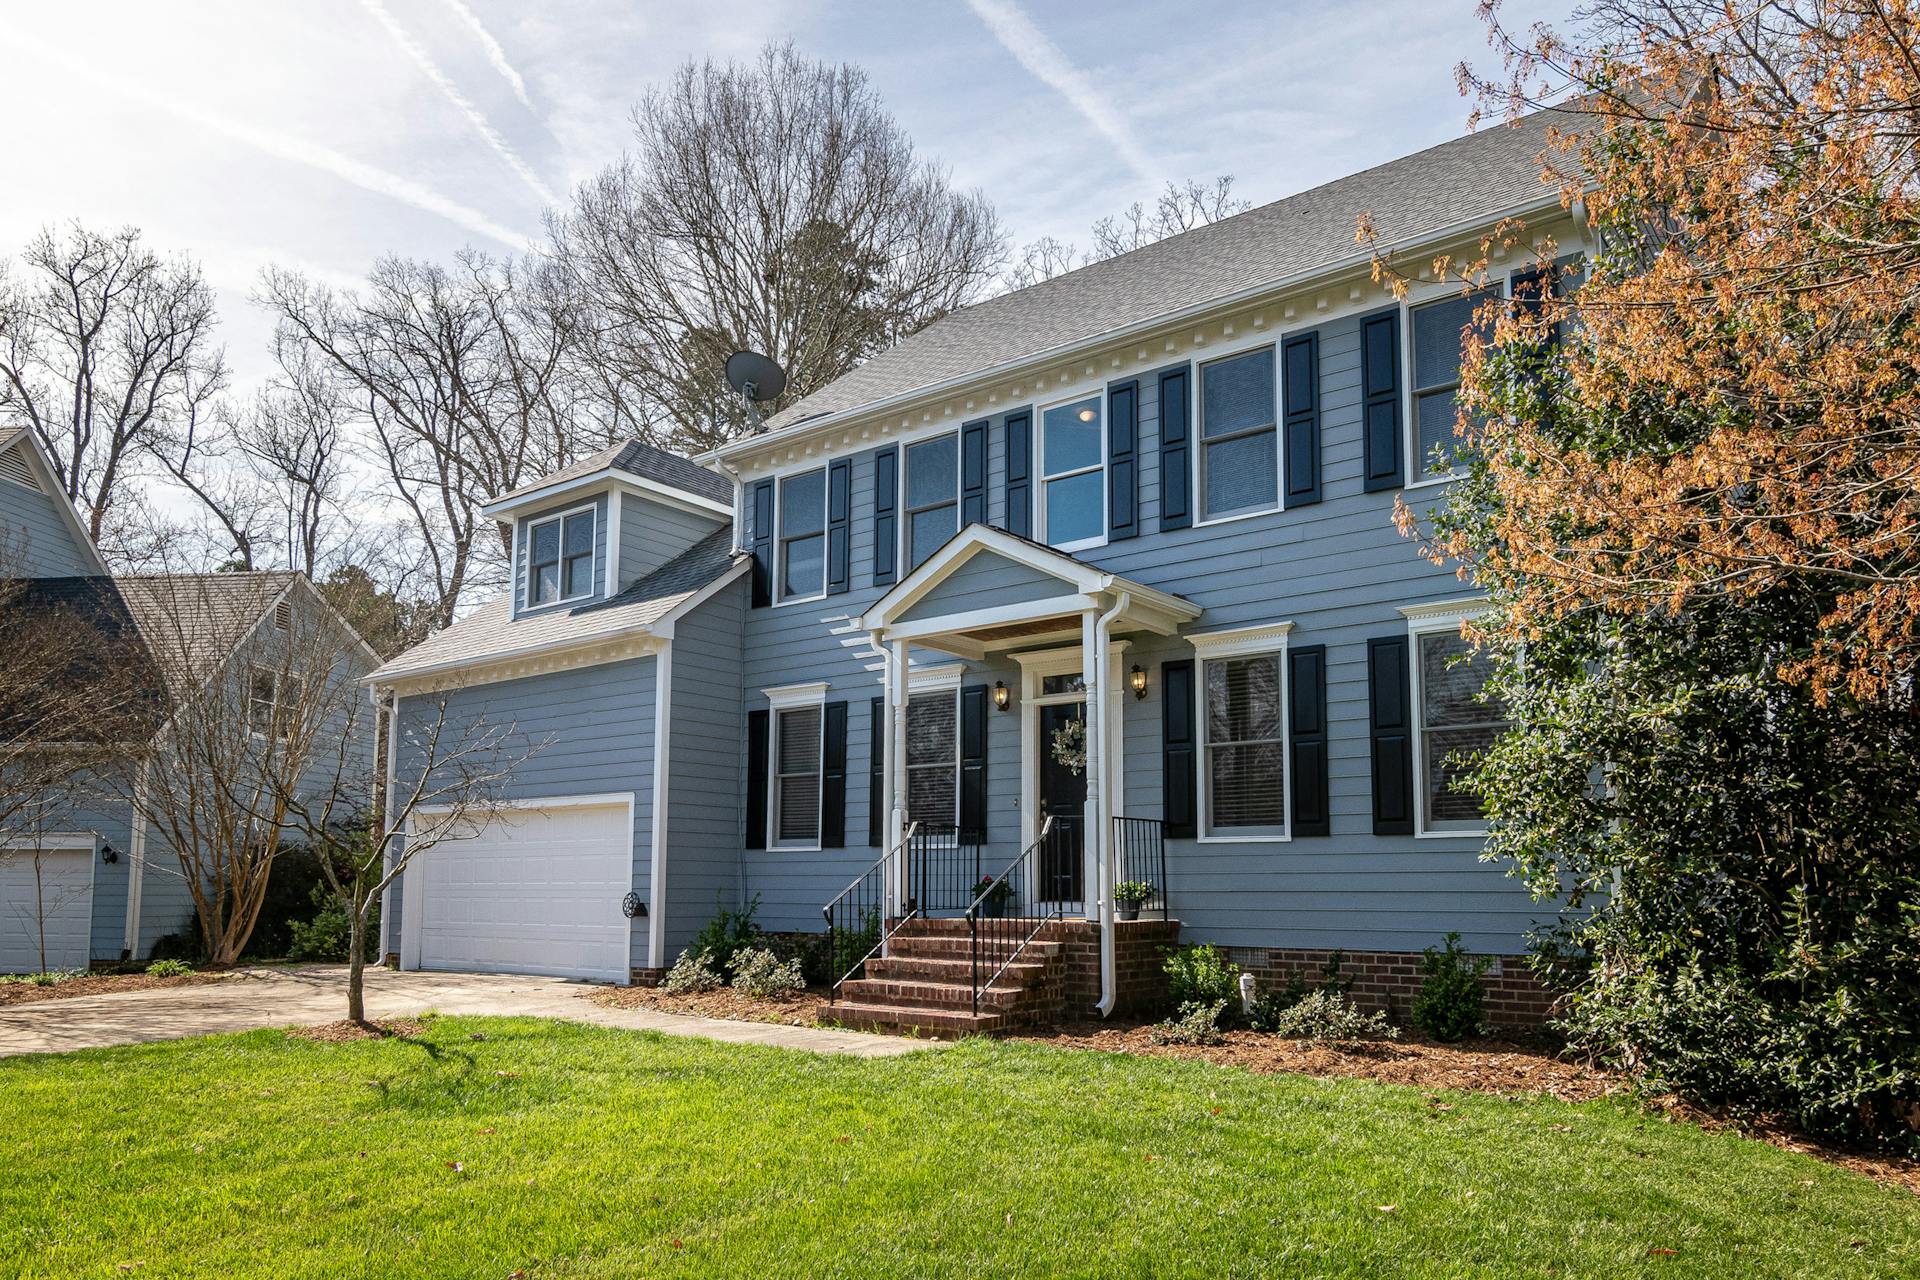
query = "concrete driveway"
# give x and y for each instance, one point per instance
(310, 995)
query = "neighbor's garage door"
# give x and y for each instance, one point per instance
(59, 900)
(536, 892)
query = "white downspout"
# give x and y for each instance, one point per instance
(657, 839)
(1102, 836)
(390, 708)
(896, 774)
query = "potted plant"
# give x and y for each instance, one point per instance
(993, 896)
(1127, 897)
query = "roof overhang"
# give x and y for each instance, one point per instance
(614, 478)
(974, 633)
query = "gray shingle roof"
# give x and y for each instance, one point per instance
(1480, 176)
(492, 633)
(643, 460)
(192, 622)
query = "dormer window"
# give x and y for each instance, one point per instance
(560, 558)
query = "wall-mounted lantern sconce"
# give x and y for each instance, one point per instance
(109, 854)
(632, 907)
(1001, 694)
(1138, 679)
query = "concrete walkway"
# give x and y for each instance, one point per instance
(310, 995)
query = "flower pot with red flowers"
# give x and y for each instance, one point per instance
(993, 896)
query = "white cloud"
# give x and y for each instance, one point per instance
(279, 145)
(417, 52)
(496, 55)
(1038, 54)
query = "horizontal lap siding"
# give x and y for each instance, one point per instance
(652, 533)
(521, 531)
(984, 582)
(704, 767)
(585, 731)
(50, 550)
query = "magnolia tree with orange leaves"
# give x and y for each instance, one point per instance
(1690, 497)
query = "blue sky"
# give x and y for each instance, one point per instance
(324, 134)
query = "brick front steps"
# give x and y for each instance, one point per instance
(925, 985)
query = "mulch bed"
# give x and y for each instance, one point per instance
(98, 984)
(800, 1010)
(345, 1031)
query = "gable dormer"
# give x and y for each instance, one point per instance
(589, 531)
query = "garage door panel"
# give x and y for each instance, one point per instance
(537, 892)
(62, 902)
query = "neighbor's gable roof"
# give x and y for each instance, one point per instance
(1463, 183)
(492, 635)
(193, 622)
(634, 458)
(26, 446)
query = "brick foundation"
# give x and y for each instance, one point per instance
(1140, 978)
(1390, 979)
(646, 977)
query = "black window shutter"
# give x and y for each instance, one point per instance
(757, 779)
(1301, 361)
(973, 762)
(1390, 712)
(886, 501)
(1176, 471)
(1380, 400)
(839, 526)
(1307, 744)
(1019, 482)
(1178, 748)
(1123, 460)
(762, 544)
(877, 737)
(833, 777)
(973, 473)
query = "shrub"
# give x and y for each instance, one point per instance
(691, 974)
(1269, 1005)
(1328, 1015)
(729, 933)
(1452, 997)
(760, 973)
(1196, 1023)
(169, 969)
(845, 947)
(1199, 973)
(183, 943)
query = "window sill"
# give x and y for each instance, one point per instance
(528, 610)
(1434, 482)
(795, 848)
(1218, 839)
(812, 599)
(1085, 544)
(1480, 834)
(1238, 516)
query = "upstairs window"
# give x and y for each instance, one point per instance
(1073, 459)
(560, 558)
(263, 688)
(1239, 444)
(803, 536)
(933, 497)
(1245, 747)
(1459, 720)
(1440, 332)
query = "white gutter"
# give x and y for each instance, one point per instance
(1103, 799)
(657, 837)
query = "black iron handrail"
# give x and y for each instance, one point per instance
(985, 924)
(1141, 848)
(858, 918)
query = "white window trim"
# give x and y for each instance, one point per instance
(593, 568)
(1415, 475)
(780, 543)
(904, 554)
(1041, 478)
(1197, 442)
(943, 680)
(1433, 618)
(254, 672)
(1242, 642)
(795, 697)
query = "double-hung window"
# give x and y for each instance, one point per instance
(263, 687)
(933, 758)
(1440, 331)
(1073, 472)
(797, 746)
(560, 558)
(933, 496)
(1239, 443)
(1243, 732)
(1459, 719)
(803, 536)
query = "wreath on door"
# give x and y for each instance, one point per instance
(1070, 746)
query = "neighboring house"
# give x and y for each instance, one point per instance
(1116, 550)
(89, 877)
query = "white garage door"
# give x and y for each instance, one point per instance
(536, 892)
(51, 894)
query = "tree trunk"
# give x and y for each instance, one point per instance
(356, 963)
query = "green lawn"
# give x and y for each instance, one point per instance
(562, 1150)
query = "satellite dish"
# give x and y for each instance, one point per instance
(755, 377)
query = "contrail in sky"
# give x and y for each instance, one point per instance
(496, 55)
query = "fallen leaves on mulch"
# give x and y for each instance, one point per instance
(801, 1010)
(99, 984)
(346, 1030)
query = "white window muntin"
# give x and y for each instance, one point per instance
(909, 509)
(794, 526)
(564, 563)
(263, 700)
(1071, 469)
(1201, 444)
(1265, 639)
(800, 701)
(1413, 392)
(928, 686)
(1428, 621)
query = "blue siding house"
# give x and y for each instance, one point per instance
(1093, 582)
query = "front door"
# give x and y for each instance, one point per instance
(1063, 797)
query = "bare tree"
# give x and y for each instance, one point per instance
(107, 352)
(468, 380)
(1178, 208)
(774, 205)
(1043, 259)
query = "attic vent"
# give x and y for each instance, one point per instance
(283, 615)
(13, 466)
